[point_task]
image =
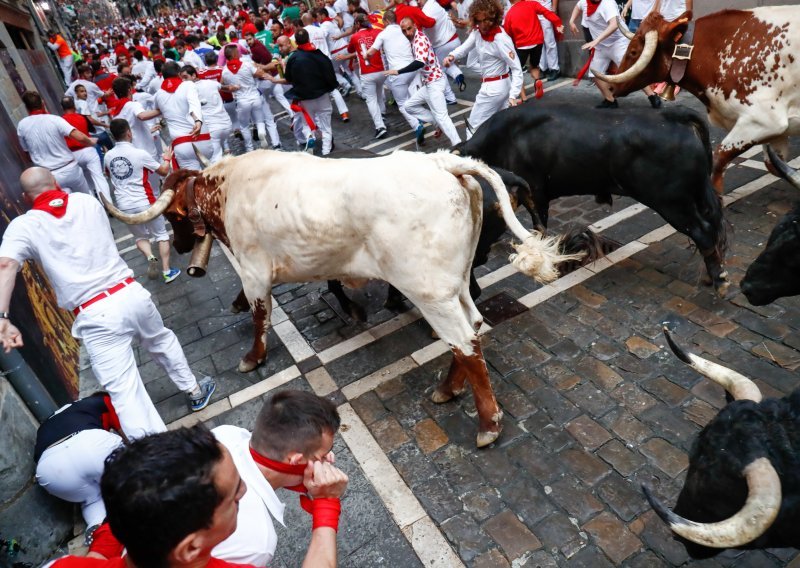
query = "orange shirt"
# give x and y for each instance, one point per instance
(63, 48)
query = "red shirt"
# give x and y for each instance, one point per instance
(360, 42)
(145, 51)
(417, 15)
(120, 49)
(522, 24)
(79, 122)
(216, 75)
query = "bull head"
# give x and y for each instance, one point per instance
(648, 57)
(763, 501)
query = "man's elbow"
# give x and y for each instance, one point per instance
(8, 264)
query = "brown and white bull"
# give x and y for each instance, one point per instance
(744, 66)
(411, 219)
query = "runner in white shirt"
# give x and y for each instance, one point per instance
(128, 168)
(42, 136)
(216, 117)
(444, 40)
(398, 54)
(178, 103)
(80, 258)
(241, 78)
(332, 27)
(188, 56)
(549, 60)
(501, 73)
(673, 9)
(85, 78)
(433, 86)
(135, 115)
(639, 9)
(143, 69)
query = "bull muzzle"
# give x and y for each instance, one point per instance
(650, 44)
(200, 255)
(154, 211)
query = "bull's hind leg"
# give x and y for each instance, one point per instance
(451, 321)
(257, 287)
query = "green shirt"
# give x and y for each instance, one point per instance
(264, 37)
(291, 13)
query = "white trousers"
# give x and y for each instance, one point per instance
(278, 93)
(400, 87)
(492, 97)
(230, 108)
(71, 178)
(338, 99)
(443, 51)
(372, 88)
(184, 154)
(549, 58)
(269, 122)
(219, 140)
(432, 95)
(72, 469)
(342, 68)
(251, 111)
(107, 329)
(67, 64)
(319, 110)
(89, 161)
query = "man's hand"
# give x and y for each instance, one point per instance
(590, 45)
(513, 102)
(447, 61)
(197, 126)
(342, 57)
(560, 29)
(324, 480)
(390, 72)
(573, 28)
(167, 155)
(11, 338)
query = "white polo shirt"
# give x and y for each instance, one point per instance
(254, 540)
(444, 29)
(42, 136)
(176, 108)
(396, 47)
(142, 137)
(77, 251)
(214, 113)
(671, 9)
(245, 78)
(331, 29)
(127, 168)
(319, 38)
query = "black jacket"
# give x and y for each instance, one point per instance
(310, 73)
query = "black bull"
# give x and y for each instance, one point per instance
(661, 159)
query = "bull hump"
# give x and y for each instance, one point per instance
(753, 55)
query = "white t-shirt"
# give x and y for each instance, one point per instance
(42, 136)
(597, 23)
(177, 108)
(93, 92)
(640, 8)
(245, 78)
(331, 29)
(319, 38)
(214, 113)
(671, 9)
(128, 168)
(191, 58)
(444, 29)
(77, 251)
(142, 137)
(146, 72)
(254, 540)
(463, 9)
(396, 47)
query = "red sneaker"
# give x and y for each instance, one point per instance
(539, 89)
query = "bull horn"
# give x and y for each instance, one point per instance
(788, 172)
(624, 28)
(205, 162)
(753, 519)
(650, 44)
(740, 387)
(154, 211)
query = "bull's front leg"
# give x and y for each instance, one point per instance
(716, 271)
(257, 288)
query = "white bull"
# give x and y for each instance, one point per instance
(411, 219)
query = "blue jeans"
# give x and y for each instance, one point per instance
(634, 25)
(104, 143)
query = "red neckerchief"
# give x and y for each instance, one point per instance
(116, 106)
(591, 7)
(171, 85)
(281, 467)
(490, 35)
(234, 65)
(53, 202)
(38, 111)
(306, 46)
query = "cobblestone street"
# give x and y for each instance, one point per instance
(595, 403)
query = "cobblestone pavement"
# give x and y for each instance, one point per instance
(594, 404)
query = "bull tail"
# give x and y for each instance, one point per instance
(537, 256)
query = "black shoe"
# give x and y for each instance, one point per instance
(608, 104)
(380, 133)
(655, 100)
(462, 84)
(553, 74)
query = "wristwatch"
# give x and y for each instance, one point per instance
(4, 315)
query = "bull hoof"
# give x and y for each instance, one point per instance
(237, 309)
(247, 365)
(439, 397)
(486, 438)
(722, 288)
(358, 313)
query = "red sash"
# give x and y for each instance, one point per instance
(296, 107)
(183, 140)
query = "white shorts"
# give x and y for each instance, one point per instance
(603, 56)
(155, 229)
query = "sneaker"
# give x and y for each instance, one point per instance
(152, 267)
(462, 84)
(608, 104)
(310, 145)
(655, 101)
(420, 133)
(278, 147)
(451, 103)
(437, 133)
(380, 132)
(538, 89)
(171, 275)
(345, 117)
(207, 387)
(553, 74)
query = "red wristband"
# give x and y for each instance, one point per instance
(325, 513)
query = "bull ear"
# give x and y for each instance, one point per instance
(679, 26)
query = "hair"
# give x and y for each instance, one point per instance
(158, 65)
(293, 421)
(360, 22)
(138, 55)
(210, 58)
(170, 69)
(301, 36)
(192, 40)
(122, 66)
(68, 103)
(83, 68)
(121, 87)
(155, 47)
(277, 23)
(492, 9)
(119, 128)
(231, 52)
(259, 24)
(159, 489)
(389, 17)
(179, 43)
(190, 69)
(32, 100)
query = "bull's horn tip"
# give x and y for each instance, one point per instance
(677, 349)
(661, 510)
